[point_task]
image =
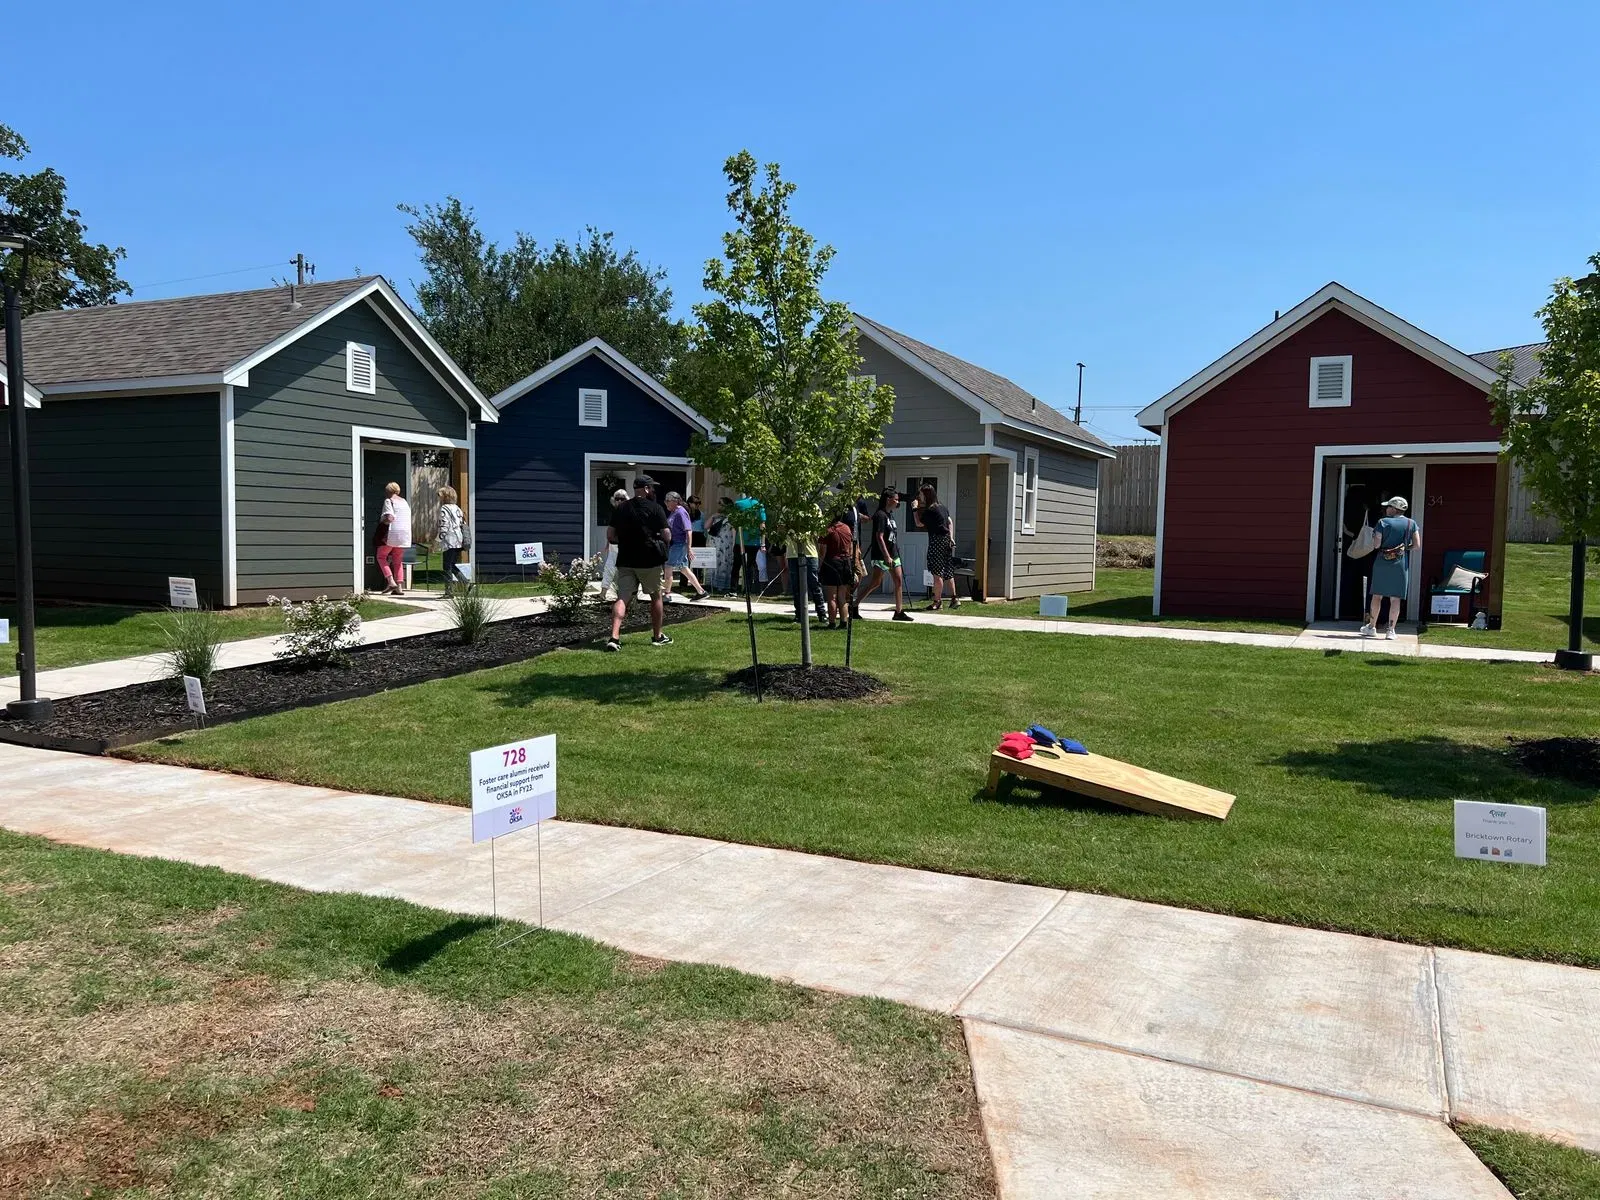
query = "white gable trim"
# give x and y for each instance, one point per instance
(647, 383)
(1334, 296)
(459, 386)
(31, 396)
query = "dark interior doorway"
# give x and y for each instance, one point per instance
(1365, 490)
(379, 467)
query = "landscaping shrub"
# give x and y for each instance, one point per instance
(1126, 553)
(569, 592)
(317, 632)
(193, 637)
(471, 613)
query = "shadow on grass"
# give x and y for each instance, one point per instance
(1025, 793)
(623, 687)
(1431, 768)
(419, 952)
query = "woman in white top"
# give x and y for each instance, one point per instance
(395, 530)
(453, 537)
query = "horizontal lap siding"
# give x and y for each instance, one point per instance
(1238, 491)
(126, 492)
(924, 413)
(292, 456)
(1059, 555)
(531, 478)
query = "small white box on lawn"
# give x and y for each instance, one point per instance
(1513, 833)
(529, 554)
(1052, 606)
(1446, 606)
(513, 786)
(195, 694)
(181, 593)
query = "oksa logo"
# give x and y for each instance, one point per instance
(514, 816)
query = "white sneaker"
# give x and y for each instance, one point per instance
(1369, 630)
(1389, 636)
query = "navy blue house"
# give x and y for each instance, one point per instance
(568, 436)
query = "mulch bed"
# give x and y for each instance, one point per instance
(101, 721)
(791, 681)
(1575, 759)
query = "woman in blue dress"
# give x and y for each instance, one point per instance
(1398, 539)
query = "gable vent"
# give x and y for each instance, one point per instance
(591, 406)
(1330, 381)
(360, 368)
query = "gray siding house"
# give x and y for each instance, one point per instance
(1002, 460)
(240, 439)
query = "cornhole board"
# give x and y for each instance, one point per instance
(1114, 782)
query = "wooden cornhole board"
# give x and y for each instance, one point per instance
(1114, 782)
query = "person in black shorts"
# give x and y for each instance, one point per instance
(836, 549)
(934, 517)
(640, 530)
(883, 554)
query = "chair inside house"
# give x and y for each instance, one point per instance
(1463, 573)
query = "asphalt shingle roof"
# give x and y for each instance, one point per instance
(186, 335)
(1525, 365)
(999, 391)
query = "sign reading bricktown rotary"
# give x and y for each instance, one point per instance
(1504, 833)
(513, 787)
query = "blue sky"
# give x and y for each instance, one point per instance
(1137, 186)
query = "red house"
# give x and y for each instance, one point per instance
(1271, 455)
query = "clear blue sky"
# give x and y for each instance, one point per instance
(1137, 186)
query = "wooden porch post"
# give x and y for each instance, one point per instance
(981, 567)
(463, 484)
(1497, 539)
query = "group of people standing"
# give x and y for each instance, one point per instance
(393, 538)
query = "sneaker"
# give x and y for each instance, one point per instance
(661, 639)
(955, 604)
(902, 616)
(699, 596)
(1389, 635)
(1369, 630)
(613, 645)
(822, 614)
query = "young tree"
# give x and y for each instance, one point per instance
(503, 313)
(1552, 426)
(65, 269)
(773, 366)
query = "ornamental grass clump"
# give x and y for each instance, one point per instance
(471, 613)
(569, 592)
(193, 639)
(317, 632)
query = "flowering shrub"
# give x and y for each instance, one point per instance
(570, 591)
(317, 632)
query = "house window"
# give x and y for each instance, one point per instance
(360, 368)
(592, 406)
(1030, 489)
(1330, 381)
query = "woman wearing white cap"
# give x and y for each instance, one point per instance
(1398, 539)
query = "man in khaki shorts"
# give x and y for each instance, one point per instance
(640, 530)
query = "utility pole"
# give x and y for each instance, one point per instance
(302, 268)
(1077, 413)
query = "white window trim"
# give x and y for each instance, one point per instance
(1348, 361)
(351, 349)
(1030, 468)
(605, 407)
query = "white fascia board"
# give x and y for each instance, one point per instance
(31, 397)
(1328, 298)
(1061, 439)
(647, 382)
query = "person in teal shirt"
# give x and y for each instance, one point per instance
(751, 518)
(1398, 539)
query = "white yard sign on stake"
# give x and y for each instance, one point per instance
(1445, 606)
(195, 694)
(513, 787)
(1513, 833)
(181, 592)
(529, 554)
(703, 558)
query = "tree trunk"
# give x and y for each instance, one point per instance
(802, 603)
(755, 662)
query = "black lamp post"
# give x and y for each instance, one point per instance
(29, 707)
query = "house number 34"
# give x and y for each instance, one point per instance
(1435, 501)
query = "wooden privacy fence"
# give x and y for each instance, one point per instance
(1129, 486)
(1128, 490)
(426, 480)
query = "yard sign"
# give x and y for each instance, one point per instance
(703, 558)
(529, 554)
(195, 694)
(181, 592)
(513, 787)
(1506, 833)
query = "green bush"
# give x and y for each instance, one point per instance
(471, 613)
(193, 637)
(317, 632)
(569, 592)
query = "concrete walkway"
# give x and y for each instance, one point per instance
(124, 672)
(1120, 1049)
(1321, 636)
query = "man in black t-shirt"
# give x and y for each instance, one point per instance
(640, 530)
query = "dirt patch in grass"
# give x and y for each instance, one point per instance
(1575, 759)
(790, 681)
(1125, 553)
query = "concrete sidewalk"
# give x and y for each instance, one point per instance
(1321, 636)
(124, 672)
(1119, 1048)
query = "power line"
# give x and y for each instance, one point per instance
(213, 275)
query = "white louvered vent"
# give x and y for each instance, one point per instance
(1330, 381)
(360, 368)
(591, 406)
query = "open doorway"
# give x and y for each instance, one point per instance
(1360, 493)
(380, 466)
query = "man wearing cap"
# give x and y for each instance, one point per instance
(1398, 539)
(640, 530)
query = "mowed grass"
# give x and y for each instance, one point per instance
(71, 634)
(173, 1030)
(1345, 767)
(1535, 1168)
(1538, 587)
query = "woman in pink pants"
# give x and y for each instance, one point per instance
(396, 539)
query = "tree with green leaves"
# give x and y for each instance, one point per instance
(1552, 426)
(65, 269)
(773, 366)
(504, 313)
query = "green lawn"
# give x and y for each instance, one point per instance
(69, 634)
(1538, 583)
(1534, 1168)
(173, 1030)
(1345, 767)
(1122, 596)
